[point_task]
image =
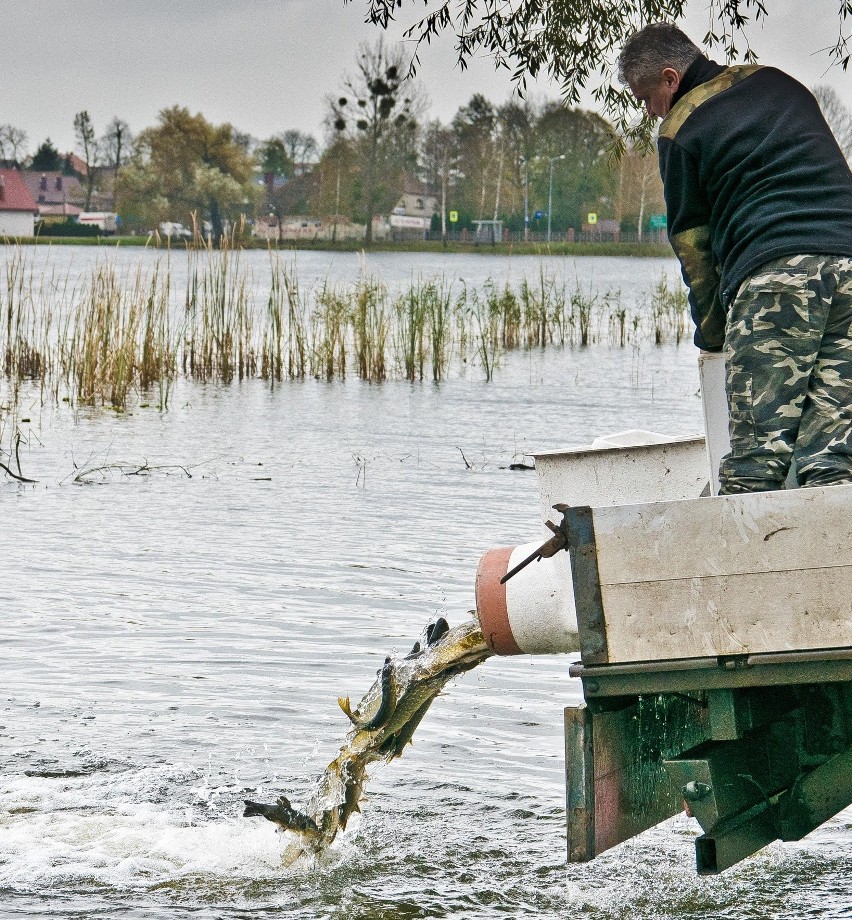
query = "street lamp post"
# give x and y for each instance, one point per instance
(526, 163)
(550, 192)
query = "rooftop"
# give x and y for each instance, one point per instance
(14, 194)
(53, 187)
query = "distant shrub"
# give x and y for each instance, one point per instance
(66, 227)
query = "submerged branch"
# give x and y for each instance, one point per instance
(15, 475)
(87, 474)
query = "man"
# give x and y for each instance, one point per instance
(759, 201)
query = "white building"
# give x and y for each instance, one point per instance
(17, 206)
(294, 227)
(417, 200)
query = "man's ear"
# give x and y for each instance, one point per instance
(671, 78)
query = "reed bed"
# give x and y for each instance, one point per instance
(113, 335)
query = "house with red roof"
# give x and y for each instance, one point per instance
(17, 206)
(56, 195)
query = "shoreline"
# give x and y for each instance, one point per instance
(638, 250)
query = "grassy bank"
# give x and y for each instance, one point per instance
(503, 249)
(77, 241)
(655, 250)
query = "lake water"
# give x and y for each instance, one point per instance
(175, 641)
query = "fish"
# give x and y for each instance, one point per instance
(387, 702)
(382, 726)
(283, 814)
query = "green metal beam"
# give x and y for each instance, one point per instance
(706, 674)
(816, 797)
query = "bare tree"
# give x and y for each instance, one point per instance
(302, 148)
(84, 131)
(379, 111)
(640, 189)
(838, 116)
(13, 144)
(116, 145)
(116, 150)
(474, 128)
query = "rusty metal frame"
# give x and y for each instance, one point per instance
(588, 601)
(613, 791)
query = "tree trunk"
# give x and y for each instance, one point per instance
(216, 222)
(444, 206)
(497, 194)
(368, 200)
(642, 190)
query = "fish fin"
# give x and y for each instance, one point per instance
(387, 704)
(346, 706)
(293, 853)
(437, 631)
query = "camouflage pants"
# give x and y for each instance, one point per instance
(788, 358)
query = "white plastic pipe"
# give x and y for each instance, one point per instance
(533, 613)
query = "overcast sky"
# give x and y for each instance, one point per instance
(267, 65)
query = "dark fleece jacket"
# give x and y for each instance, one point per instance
(751, 173)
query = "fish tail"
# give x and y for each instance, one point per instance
(256, 809)
(282, 814)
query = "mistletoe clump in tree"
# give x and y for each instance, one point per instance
(377, 113)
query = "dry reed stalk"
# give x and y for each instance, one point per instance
(298, 344)
(110, 333)
(438, 300)
(272, 358)
(410, 312)
(191, 306)
(534, 302)
(670, 312)
(618, 324)
(219, 315)
(486, 317)
(582, 307)
(369, 320)
(159, 357)
(328, 333)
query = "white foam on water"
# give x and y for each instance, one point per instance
(100, 829)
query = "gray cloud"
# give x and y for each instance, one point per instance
(266, 65)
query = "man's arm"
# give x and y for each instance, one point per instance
(689, 233)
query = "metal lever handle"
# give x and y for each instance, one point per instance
(549, 548)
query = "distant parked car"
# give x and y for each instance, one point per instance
(178, 231)
(107, 221)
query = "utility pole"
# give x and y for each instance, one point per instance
(444, 203)
(526, 163)
(550, 192)
(336, 206)
(499, 184)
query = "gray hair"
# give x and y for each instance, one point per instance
(649, 51)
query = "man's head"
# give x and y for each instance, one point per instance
(652, 63)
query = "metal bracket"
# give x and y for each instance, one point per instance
(586, 580)
(549, 548)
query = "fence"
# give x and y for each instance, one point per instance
(651, 237)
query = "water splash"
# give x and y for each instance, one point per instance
(384, 722)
